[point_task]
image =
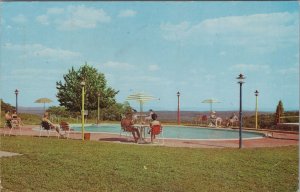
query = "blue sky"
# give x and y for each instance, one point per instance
(197, 48)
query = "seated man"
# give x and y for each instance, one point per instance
(127, 125)
(155, 127)
(52, 125)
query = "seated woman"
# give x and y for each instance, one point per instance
(155, 127)
(52, 125)
(127, 125)
(8, 119)
(15, 117)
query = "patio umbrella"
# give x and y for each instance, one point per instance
(141, 98)
(210, 101)
(43, 100)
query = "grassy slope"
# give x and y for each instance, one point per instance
(49, 164)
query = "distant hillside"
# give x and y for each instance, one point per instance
(188, 116)
(31, 110)
(166, 116)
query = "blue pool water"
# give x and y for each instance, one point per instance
(178, 132)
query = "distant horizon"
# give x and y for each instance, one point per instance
(181, 110)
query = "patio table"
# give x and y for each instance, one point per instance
(141, 128)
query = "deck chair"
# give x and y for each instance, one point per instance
(156, 132)
(124, 132)
(45, 126)
(65, 127)
(14, 124)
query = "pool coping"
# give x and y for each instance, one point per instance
(182, 139)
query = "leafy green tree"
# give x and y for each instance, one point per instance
(59, 111)
(279, 112)
(69, 91)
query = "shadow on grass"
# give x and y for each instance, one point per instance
(118, 139)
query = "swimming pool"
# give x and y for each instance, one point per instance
(179, 132)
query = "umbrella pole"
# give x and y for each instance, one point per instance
(44, 108)
(141, 110)
(210, 107)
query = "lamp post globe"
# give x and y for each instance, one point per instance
(17, 92)
(240, 79)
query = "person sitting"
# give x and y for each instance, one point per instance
(52, 125)
(8, 119)
(149, 117)
(127, 125)
(155, 127)
(212, 119)
(15, 117)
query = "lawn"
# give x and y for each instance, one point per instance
(50, 164)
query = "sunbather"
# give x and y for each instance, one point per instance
(52, 125)
(127, 125)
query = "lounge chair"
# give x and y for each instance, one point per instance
(64, 126)
(124, 131)
(14, 124)
(45, 126)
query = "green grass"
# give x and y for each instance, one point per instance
(51, 164)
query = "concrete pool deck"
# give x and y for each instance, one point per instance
(278, 139)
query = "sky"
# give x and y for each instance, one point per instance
(158, 48)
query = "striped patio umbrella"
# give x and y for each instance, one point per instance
(141, 98)
(43, 100)
(211, 101)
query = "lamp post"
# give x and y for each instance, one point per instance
(98, 119)
(178, 110)
(240, 79)
(17, 92)
(82, 108)
(256, 95)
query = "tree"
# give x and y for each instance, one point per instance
(279, 112)
(69, 91)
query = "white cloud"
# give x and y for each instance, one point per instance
(175, 31)
(32, 74)
(266, 30)
(19, 19)
(74, 17)
(55, 11)
(38, 50)
(153, 67)
(127, 13)
(290, 70)
(250, 67)
(43, 19)
(118, 65)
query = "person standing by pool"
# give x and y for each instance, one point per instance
(127, 125)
